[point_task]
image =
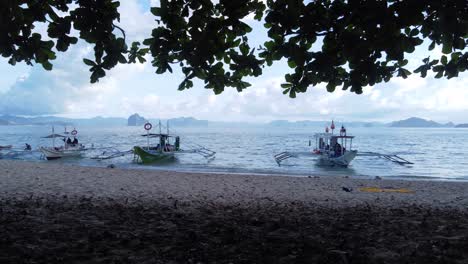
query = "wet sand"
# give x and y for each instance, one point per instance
(52, 213)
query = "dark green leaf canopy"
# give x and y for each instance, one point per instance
(343, 43)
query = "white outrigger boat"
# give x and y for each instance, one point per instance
(336, 150)
(70, 148)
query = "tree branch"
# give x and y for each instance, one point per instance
(121, 30)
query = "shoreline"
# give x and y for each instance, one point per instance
(22, 178)
(246, 172)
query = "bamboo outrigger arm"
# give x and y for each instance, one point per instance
(390, 157)
(280, 157)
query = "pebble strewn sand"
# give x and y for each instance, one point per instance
(22, 179)
(51, 213)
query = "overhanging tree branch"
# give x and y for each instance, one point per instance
(361, 42)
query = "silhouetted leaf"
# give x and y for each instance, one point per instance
(89, 62)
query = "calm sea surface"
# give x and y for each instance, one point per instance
(439, 154)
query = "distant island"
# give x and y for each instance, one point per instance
(133, 120)
(410, 122)
(136, 120)
(308, 123)
(60, 121)
(187, 121)
(419, 122)
(41, 120)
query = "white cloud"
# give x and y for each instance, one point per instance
(137, 21)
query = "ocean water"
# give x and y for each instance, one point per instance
(437, 153)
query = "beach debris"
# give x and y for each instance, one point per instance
(346, 189)
(338, 256)
(377, 190)
(111, 166)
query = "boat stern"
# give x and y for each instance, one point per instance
(346, 158)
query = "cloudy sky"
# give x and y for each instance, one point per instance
(128, 89)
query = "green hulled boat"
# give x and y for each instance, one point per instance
(164, 151)
(148, 156)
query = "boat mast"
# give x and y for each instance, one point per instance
(167, 128)
(161, 140)
(53, 136)
(147, 138)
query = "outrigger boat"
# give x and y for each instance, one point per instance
(68, 149)
(10, 152)
(6, 147)
(164, 151)
(336, 150)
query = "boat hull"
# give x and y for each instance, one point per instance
(6, 147)
(343, 160)
(153, 157)
(53, 154)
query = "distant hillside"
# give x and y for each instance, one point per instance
(308, 123)
(53, 120)
(462, 126)
(43, 120)
(418, 122)
(173, 122)
(136, 120)
(280, 123)
(187, 121)
(100, 121)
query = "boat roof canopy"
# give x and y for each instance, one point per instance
(151, 135)
(54, 136)
(330, 135)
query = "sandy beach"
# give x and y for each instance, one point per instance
(54, 213)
